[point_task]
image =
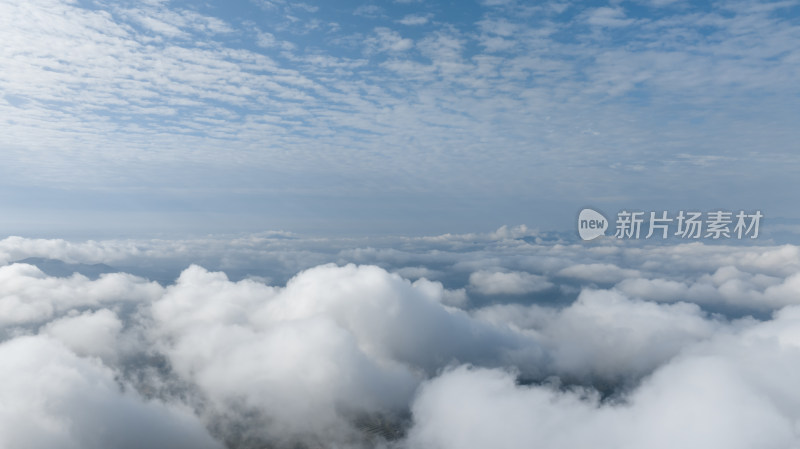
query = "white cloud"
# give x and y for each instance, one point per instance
(92, 79)
(734, 392)
(661, 3)
(370, 11)
(350, 339)
(608, 17)
(500, 27)
(386, 39)
(175, 23)
(598, 272)
(52, 398)
(602, 332)
(494, 44)
(497, 2)
(415, 19)
(29, 296)
(513, 232)
(416, 272)
(17, 248)
(727, 285)
(88, 334)
(306, 6)
(443, 48)
(266, 40)
(514, 283)
(361, 343)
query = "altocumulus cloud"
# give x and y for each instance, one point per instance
(563, 346)
(487, 105)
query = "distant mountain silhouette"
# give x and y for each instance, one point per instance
(59, 268)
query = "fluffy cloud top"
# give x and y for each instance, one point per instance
(27, 295)
(733, 391)
(51, 398)
(347, 355)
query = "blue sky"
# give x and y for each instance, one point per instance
(391, 117)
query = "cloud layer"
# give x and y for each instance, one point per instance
(493, 108)
(347, 355)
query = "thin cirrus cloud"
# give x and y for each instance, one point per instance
(197, 105)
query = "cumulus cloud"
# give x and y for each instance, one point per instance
(734, 391)
(727, 285)
(53, 398)
(348, 340)
(608, 336)
(27, 295)
(92, 333)
(500, 339)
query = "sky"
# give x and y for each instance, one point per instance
(264, 223)
(407, 117)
